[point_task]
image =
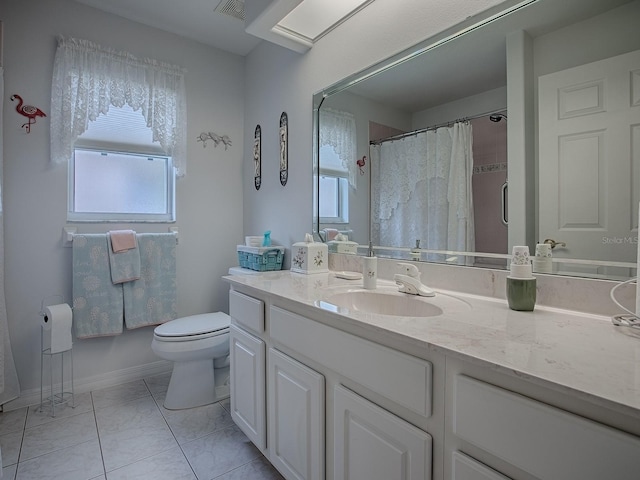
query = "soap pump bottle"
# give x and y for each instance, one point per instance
(370, 270)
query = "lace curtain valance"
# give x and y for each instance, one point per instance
(338, 129)
(88, 79)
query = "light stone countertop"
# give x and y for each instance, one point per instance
(576, 353)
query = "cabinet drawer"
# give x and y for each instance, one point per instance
(466, 468)
(247, 311)
(542, 440)
(401, 378)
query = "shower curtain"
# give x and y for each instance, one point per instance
(422, 191)
(9, 387)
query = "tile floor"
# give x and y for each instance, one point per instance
(124, 432)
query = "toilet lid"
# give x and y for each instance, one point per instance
(194, 325)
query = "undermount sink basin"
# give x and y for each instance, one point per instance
(388, 301)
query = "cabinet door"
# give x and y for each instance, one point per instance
(247, 354)
(295, 418)
(373, 444)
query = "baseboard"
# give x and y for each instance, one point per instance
(96, 382)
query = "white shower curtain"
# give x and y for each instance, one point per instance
(9, 387)
(422, 191)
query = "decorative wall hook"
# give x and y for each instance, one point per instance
(224, 139)
(28, 111)
(284, 148)
(361, 163)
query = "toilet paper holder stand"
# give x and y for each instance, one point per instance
(62, 397)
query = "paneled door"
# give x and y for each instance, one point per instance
(295, 418)
(589, 160)
(248, 378)
(373, 444)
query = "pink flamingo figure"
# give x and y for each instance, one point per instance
(28, 111)
(361, 163)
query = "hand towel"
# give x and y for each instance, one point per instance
(125, 265)
(122, 240)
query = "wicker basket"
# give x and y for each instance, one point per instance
(261, 259)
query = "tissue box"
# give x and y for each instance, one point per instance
(310, 257)
(341, 246)
(262, 259)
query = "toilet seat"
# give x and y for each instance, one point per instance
(194, 327)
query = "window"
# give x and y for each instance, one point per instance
(118, 173)
(120, 123)
(334, 188)
(114, 186)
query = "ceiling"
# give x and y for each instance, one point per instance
(295, 24)
(194, 19)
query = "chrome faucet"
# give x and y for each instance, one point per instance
(409, 281)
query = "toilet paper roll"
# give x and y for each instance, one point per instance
(57, 322)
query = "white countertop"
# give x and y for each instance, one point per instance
(581, 354)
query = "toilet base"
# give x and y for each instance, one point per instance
(183, 392)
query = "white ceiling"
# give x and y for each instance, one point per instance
(198, 20)
(194, 19)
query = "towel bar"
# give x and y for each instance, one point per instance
(69, 232)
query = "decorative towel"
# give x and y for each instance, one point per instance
(122, 240)
(151, 300)
(125, 265)
(97, 303)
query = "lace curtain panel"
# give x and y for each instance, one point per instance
(338, 129)
(422, 190)
(88, 79)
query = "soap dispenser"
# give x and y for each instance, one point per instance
(370, 270)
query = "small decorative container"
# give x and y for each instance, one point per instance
(261, 259)
(309, 256)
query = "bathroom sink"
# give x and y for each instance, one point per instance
(388, 301)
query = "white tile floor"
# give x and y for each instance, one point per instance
(124, 432)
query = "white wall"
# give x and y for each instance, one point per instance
(209, 199)
(279, 80)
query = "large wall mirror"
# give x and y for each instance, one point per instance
(516, 128)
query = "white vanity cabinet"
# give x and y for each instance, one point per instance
(353, 397)
(337, 406)
(275, 400)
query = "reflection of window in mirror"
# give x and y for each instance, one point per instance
(334, 188)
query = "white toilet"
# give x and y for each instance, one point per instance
(196, 344)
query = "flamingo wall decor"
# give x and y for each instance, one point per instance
(28, 111)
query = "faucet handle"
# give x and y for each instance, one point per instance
(409, 269)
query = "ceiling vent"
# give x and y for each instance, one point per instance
(232, 8)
